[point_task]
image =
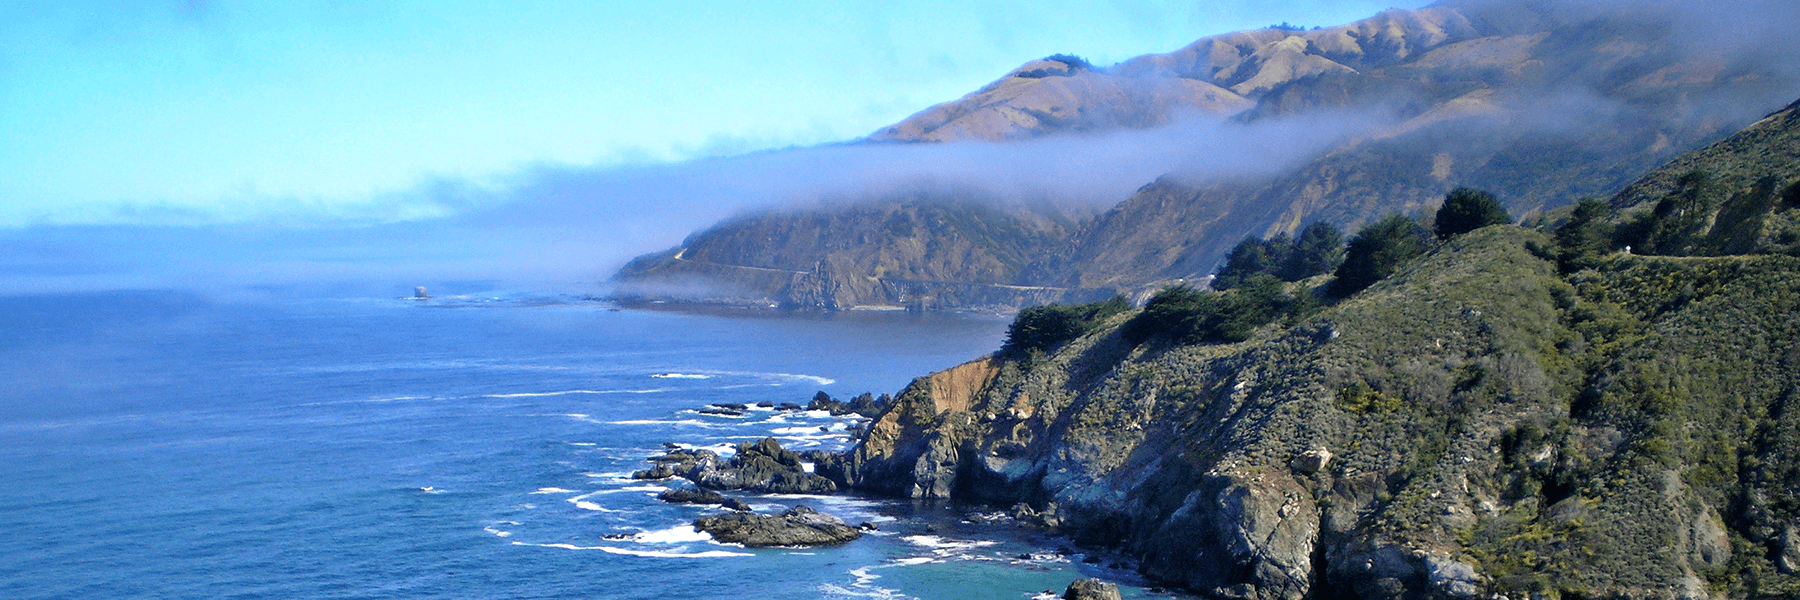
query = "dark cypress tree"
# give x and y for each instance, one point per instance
(1678, 219)
(1248, 258)
(1466, 210)
(1584, 238)
(1377, 251)
(1318, 250)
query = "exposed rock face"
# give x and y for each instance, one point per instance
(761, 466)
(798, 526)
(900, 456)
(1091, 589)
(1235, 471)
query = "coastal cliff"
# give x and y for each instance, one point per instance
(1476, 424)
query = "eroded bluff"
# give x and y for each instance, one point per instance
(1445, 434)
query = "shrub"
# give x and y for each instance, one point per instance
(1466, 210)
(1377, 251)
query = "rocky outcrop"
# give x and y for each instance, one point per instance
(904, 451)
(864, 405)
(691, 496)
(760, 466)
(798, 526)
(1091, 589)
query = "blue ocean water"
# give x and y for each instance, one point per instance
(171, 445)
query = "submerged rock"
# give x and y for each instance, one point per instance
(798, 526)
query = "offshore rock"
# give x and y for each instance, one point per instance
(1091, 589)
(798, 526)
(691, 496)
(760, 466)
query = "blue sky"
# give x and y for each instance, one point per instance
(203, 112)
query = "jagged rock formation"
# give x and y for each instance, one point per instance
(760, 466)
(1538, 105)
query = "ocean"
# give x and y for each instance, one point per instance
(163, 444)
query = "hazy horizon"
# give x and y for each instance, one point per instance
(273, 146)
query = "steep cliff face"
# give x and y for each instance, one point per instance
(1477, 424)
(1533, 104)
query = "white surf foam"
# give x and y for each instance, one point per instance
(680, 376)
(932, 541)
(553, 490)
(689, 422)
(674, 535)
(582, 503)
(497, 532)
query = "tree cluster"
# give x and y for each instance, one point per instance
(1045, 327)
(1190, 316)
(1465, 210)
(1318, 250)
(1700, 217)
(1377, 251)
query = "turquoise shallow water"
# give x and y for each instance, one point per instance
(166, 445)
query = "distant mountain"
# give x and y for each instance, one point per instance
(1540, 104)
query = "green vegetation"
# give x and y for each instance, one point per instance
(1585, 239)
(1318, 251)
(1377, 251)
(1190, 316)
(1466, 210)
(1043, 328)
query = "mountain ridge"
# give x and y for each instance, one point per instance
(1538, 108)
